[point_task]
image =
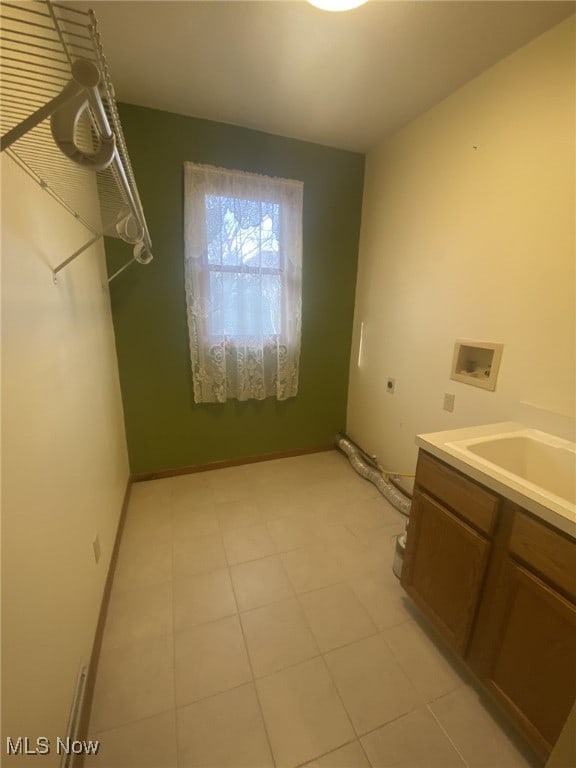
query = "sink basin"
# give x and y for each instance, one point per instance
(537, 458)
(533, 469)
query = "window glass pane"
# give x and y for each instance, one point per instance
(244, 304)
(241, 231)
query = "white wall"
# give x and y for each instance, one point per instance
(64, 459)
(468, 231)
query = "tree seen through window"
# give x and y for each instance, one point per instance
(244, 265)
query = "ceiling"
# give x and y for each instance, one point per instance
(341, 79)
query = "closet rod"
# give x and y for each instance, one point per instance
(36, 117)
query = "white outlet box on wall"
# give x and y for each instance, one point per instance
(476, 363)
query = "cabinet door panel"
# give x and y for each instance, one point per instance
(533, 666)
(548, 552)
(471, 501)
(444, 566)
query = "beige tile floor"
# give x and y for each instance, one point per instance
(255, 621)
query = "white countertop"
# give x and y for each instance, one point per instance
(551, 508)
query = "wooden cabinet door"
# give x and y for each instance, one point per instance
(531, 666)
(443, 568)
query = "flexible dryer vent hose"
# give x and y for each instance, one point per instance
(361, 463)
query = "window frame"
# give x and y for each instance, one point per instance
(209, 336)
(243, 366)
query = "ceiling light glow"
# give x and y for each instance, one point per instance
(337, 5)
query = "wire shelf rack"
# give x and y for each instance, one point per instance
(40, 42)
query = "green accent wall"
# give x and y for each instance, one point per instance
(165, 428)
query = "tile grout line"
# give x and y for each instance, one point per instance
(403, 666)
(260, 709)
(161, 636)
(320, 654)
(359, 736)
(447, 735)
(217, 693)
(327, 668)
(287, 575)
(297, 595)
(312, 634)
(133, 722)
(366, 608)
(239, 612)
(364, 751)
(287, 666)
(337, 647)
(326, 754)
(279, 550)
(206, 623)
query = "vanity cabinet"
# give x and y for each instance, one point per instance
(500, 586)
(524, 644)
(447, 549)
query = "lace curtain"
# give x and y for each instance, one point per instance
(243, 268)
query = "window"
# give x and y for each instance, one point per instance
(244, 267)
(243, 252)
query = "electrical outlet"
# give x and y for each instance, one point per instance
(449, 401)
(390, 386)
(96, 548)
